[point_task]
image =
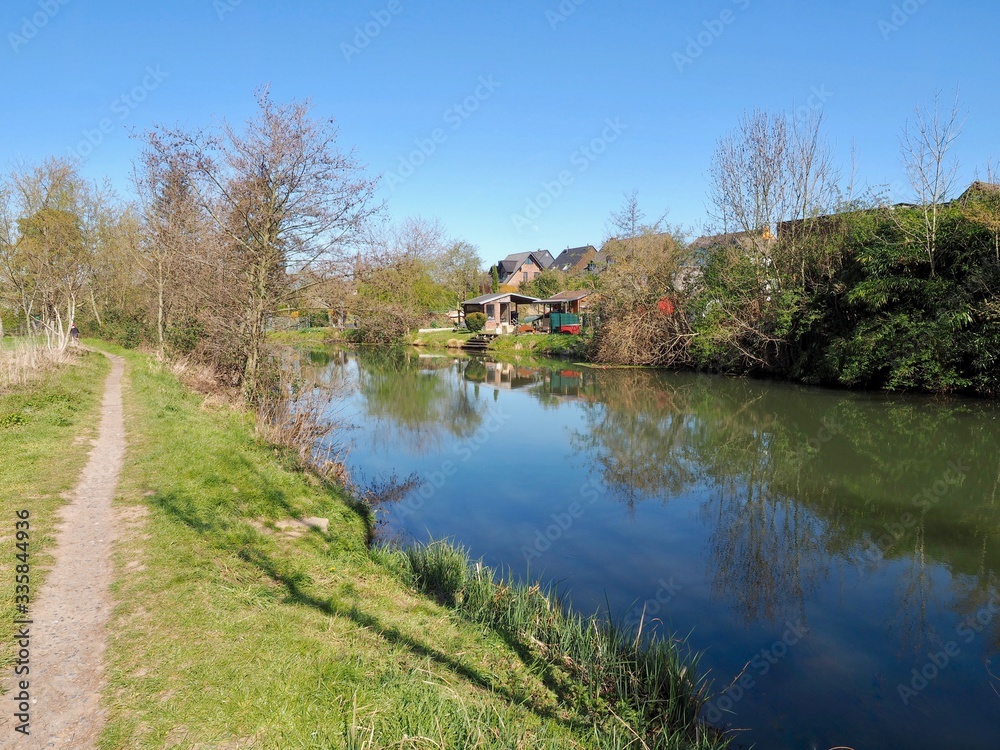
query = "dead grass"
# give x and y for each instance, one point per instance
(200, 378)
(23, 360)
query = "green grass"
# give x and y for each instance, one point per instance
(443, 339)
(524, 343)
(230, 630)
(46, 429)
(648, 685)
(553, 345)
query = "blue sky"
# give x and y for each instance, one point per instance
(519, 125)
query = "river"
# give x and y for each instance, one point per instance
(833, 555)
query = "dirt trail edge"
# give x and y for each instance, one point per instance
(70, 615)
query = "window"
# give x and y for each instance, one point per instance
(525, 276)
(537, 274)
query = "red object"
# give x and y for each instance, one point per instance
(570, 329)
(666, 306)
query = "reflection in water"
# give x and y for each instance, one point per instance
(874, 519)
(416, 400)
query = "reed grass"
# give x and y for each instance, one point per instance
(644, 687)
(22, 360)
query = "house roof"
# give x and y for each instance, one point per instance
(510, 265)
(544, 258)
(731, 239)
(572, 256)
(517, 299)
(979, 188)
(570, 296)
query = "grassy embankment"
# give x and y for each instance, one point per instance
(238, 627)
(550, 345)
(49, 413)
(526, 343)
(446, 338)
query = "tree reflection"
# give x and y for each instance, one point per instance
(417, 400)
(637, 437)
(791, 479)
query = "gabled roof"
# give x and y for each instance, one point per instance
(543, 258)
(570, 257)
(510, 265)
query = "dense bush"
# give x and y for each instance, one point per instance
(382, 322)
(875, 314)
(127, 329)
(475, 322)
(183, 338)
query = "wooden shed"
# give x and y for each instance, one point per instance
(501, 310)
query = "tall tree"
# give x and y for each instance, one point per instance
(460, 269)
(51, 221)
(773, 186)
(283, 199)
(173, 250)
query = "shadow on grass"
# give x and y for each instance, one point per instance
(212, 522)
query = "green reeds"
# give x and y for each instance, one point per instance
(642, 690)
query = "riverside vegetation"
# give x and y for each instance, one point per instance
(809, 278)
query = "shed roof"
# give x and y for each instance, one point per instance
(517, 299)
(570, 296)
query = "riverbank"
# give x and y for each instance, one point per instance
(573, 347)
(252, 611)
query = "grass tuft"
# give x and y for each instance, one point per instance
(646, 685)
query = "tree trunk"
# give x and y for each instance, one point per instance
(93, 306)
(159, 316)
(256, 322)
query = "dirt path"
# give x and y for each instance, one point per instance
(69, 616)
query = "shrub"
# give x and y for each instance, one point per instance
(475, 322)
(183, 338)
(127, 328)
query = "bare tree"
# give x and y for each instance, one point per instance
(173, 249)
(627, 221)
(925, 146)
(283, 199)
(773, 188)
(751, 186)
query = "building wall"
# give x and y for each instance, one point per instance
(517, 279)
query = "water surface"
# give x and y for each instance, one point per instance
(840, 551)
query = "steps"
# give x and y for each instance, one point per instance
(478, 343)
